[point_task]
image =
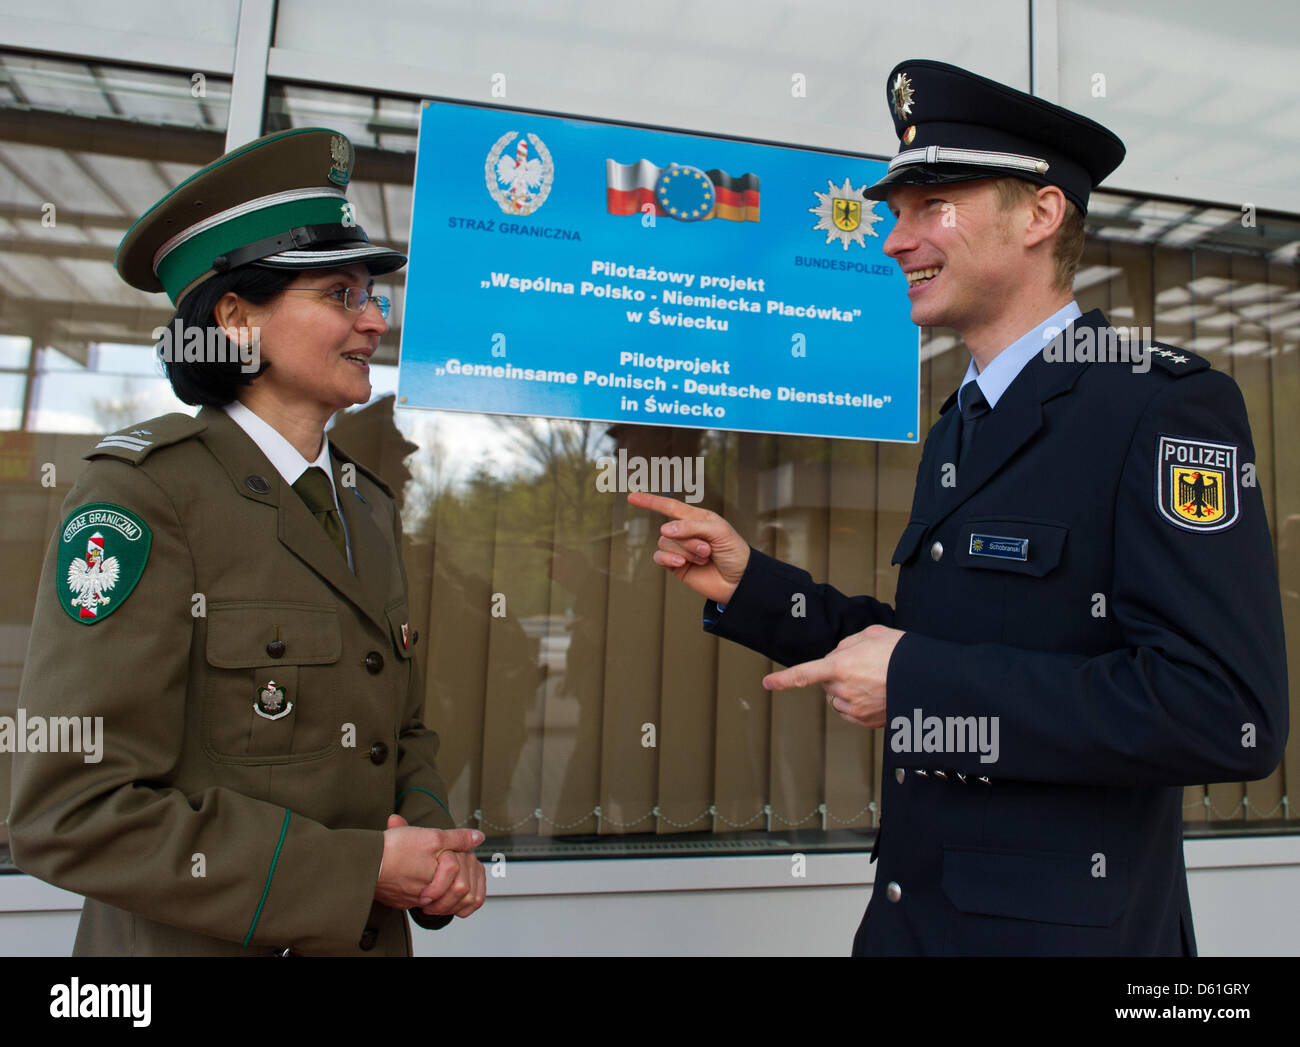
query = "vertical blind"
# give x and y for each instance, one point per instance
(555, 651)
(546, 707)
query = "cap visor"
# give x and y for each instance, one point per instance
(918, 174)
(378, 260)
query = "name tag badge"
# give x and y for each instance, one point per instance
(999, 547)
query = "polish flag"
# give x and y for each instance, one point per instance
(629, 187)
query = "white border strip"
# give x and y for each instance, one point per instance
(649, 875)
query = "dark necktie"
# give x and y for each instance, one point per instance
(315, 489)
(974, 409)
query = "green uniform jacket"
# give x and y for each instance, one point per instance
(207, 828)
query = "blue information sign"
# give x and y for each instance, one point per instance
(577, 269)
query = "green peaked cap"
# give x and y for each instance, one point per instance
(279, 201)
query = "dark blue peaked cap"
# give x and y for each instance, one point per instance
(954, 126)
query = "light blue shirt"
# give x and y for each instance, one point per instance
(998, 376)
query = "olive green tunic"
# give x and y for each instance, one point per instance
(208, 827)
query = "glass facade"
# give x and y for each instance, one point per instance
(550, 641)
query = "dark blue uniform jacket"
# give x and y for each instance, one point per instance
(1100, 579)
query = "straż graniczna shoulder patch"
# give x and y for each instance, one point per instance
(1196, 483)
(102, 552)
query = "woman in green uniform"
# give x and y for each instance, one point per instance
(225, 600)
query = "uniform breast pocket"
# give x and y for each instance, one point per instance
(1015, 544)
(272, 690)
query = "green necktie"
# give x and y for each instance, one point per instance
(315, 489)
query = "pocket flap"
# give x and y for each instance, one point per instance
(912, 535)
(1031, 547)
(240, 634)
(1047, 888)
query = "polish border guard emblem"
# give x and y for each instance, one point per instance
(102, 552)
(272, 702)
(340, 172)
(519, 183)
(1196, 483)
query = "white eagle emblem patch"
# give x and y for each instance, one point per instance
(90, 581)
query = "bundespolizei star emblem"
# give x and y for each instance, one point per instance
(842, 216)
(902, 96)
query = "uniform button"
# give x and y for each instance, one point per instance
(368, 938)
(936, 551)
(899, 775)
(257, 484)
(275, 648)
(378, 753)
(374, 662)
(415, 637)
(893, 892)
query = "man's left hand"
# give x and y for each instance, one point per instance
(853, 675)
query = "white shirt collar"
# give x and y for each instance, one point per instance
(1002, 371)
(288, 462)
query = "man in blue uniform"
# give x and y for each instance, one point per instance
(1087, 617)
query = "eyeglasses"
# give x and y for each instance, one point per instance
(353, 299)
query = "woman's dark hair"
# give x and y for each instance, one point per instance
(215, 377)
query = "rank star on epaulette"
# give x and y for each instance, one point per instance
(1196, 483)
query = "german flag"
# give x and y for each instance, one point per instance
(630, 187)
(737, 197)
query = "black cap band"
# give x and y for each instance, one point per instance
(297, 239)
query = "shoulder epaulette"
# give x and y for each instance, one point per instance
(134, 443)
(1175, 361)
(373, 476)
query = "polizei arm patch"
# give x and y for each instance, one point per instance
(1196, 483)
